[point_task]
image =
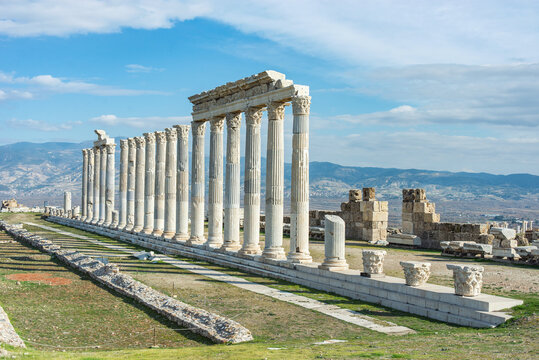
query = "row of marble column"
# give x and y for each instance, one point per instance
(98, 184)
(154, 183)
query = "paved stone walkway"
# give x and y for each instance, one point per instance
(346, 315)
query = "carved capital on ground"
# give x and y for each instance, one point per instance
(301, 105)
(415, 273)
(468, 279)
(373, 261)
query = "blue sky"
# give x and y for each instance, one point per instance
(439, 85)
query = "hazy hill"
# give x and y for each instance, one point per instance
(43, 171)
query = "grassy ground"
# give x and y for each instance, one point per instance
(83, 314)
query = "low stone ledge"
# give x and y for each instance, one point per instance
(215, 327)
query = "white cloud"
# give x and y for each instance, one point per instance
(39, 125)
(141, 122)
(369, 32)
(136, 68)
(44, 84)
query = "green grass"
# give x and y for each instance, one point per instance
(274, 324)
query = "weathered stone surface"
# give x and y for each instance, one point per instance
(468, 279)
(334, 244)
(373, 261)
(415, 273)
(354, 195)
(508, 243)
(8, 335)
(215, 327)
(503, 233)
(474, 247)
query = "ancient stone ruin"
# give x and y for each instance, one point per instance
(155, 208)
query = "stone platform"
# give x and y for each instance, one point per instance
(429, 300)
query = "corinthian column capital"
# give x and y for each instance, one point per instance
(149, 137)
(253, 115)
(276, 111)
(124, 144)
(233, 120)
(217, 124)
(301, 105)
(199, 127)
(160, 137)
(182, 130)
(110, 148)
(171, 134)
(141, 142)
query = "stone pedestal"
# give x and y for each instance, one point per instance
(124, 158)
(149, 183)
(232, 184)
(159, 213)
(90, 203)
(251, 200)
(170, 184)
(109, 190)
(334, 244)
(468, 279)
(273, 247)
(415, 273)
(102, 184)
(182, 183)
(139, 183)
(197, 184)
(84, 194)
(299, 219)
(131, 174)
(215, 190)
(373, 263)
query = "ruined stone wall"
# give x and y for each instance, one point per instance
(364, 216)
(419, 218)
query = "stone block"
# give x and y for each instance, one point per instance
(407, 227)
(480, 248)
(384, 206)
(431, 218)
(503, 233)
(375, 216)
(354, 195)
(420, 195)
(407, 217)
(355, 207)
(370, 206)
(485, 239)
(407, 207)
(369, 194)
(508, 244)
(424, 207)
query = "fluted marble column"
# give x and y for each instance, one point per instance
(97, 183)
(102, 184)
(197, 183)
(251, 199)
(139, 183)
(122, 214)
(110, 190)
(215, 191)
(299, 195)
(132, 160)
(84, 199)
(273, 248)
(232, 183)
(149, 184)
(182, 183)
(67, 201)
(161, 154)
(90, 197)
(170, 184)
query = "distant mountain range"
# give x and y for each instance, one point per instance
(34, 172)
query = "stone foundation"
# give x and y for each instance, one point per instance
(432, 301)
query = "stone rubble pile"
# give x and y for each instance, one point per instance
(217, 328)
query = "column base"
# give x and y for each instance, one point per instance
(275, 253)
(195, 240)
(106, 224)
(157, 232)
(100, 222)
(230, 246)
(147, 231)
(250, 250)
(180, 237)
(120, 227)
(214, 242)
(168, 234)
(127, 228)
(334, 265)
(137, 229)
(299, 258)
